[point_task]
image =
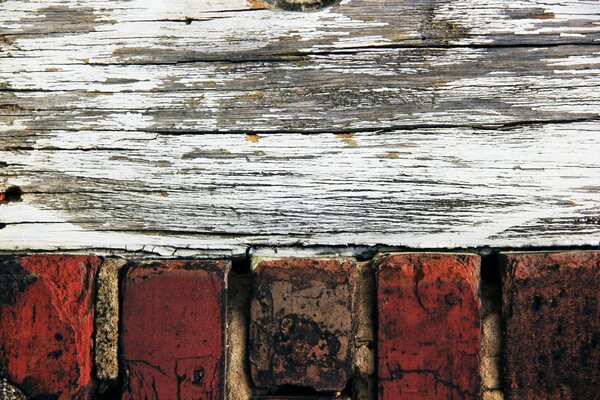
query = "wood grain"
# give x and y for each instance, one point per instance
(208, 127)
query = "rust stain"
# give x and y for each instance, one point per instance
(347, 138)
(253, 138)
(256, 5)
(392, 154)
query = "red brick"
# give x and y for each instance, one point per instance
(46, 315)
(429, 317)
(552, 332)
(173, 327)
(301, 323)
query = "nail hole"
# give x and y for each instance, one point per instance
(12, 193)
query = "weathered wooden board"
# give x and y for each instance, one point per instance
(424, 188)
(382, 89)
(187, 127)
(183, 28)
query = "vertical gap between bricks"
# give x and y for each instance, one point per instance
(237, 373)
(107, 328)
(491, 328)
(364, 385)
(122, 370)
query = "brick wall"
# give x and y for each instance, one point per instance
(408, 326)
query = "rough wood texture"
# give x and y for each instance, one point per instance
(205, 127)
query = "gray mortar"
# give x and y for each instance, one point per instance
(107, 324)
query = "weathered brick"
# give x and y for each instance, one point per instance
(173, 321)
(47, 322)
(301, 322)
(552, 325)
(429, 326)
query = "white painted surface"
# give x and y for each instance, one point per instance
(418, 124)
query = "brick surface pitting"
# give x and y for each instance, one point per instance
(429, 326)
(47, 322)
(301, 322)
(552, 325)
(173, 321)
